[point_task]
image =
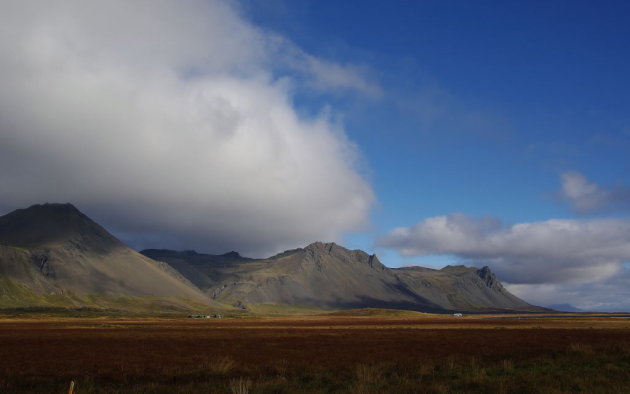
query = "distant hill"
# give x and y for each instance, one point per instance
(564, 308)
(54, 255)
(327, 275)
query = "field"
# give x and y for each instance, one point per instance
(337, 353)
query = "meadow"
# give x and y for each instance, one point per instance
(316, 354)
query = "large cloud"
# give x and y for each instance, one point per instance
(552, 251)
(610, 295)
(172, 122)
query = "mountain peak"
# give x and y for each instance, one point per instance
(54, 206)
(48, 209)
(489, 278)
(322, 246)
(49, 223)
(339, 253)
(232, 255)
(456, 268)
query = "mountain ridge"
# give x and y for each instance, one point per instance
(53, 254)
(294, 277)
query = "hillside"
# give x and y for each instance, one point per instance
(462, 288)
(54, 255)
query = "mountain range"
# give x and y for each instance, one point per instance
(53, 255)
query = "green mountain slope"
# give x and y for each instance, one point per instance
(54, 255)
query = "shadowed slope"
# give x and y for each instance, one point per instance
(54, 224)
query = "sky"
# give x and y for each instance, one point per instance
(429, 132)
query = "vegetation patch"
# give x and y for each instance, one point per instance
(334, 354)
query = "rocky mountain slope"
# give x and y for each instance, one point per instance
(329, 276)
(54, 255)
(462, 288)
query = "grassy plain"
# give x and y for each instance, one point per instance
(367, 352)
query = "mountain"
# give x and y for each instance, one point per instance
(54, 255)
(327, 275)
(203, 270)
(462, 288)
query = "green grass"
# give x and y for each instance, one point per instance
(16, 299)
(284, 310)
(377, 312)
(16, 295)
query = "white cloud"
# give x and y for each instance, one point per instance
(610, 295)
(588, 197)
(320, 74)
(558, 261)
(172, 123)
(552, 251)
(328, 75)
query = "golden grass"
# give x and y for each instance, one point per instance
(240, 386)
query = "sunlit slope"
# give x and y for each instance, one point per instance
(324, 275)
(462, 288)
(52, 254)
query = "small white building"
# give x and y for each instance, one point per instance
(458, 314)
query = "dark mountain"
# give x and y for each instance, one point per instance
(329, 276)
(54, 224)
(53, 254)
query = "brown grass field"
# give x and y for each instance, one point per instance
(316, 354)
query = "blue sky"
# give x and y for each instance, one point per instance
(523, 92)
(430, 132)
(484, 105)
